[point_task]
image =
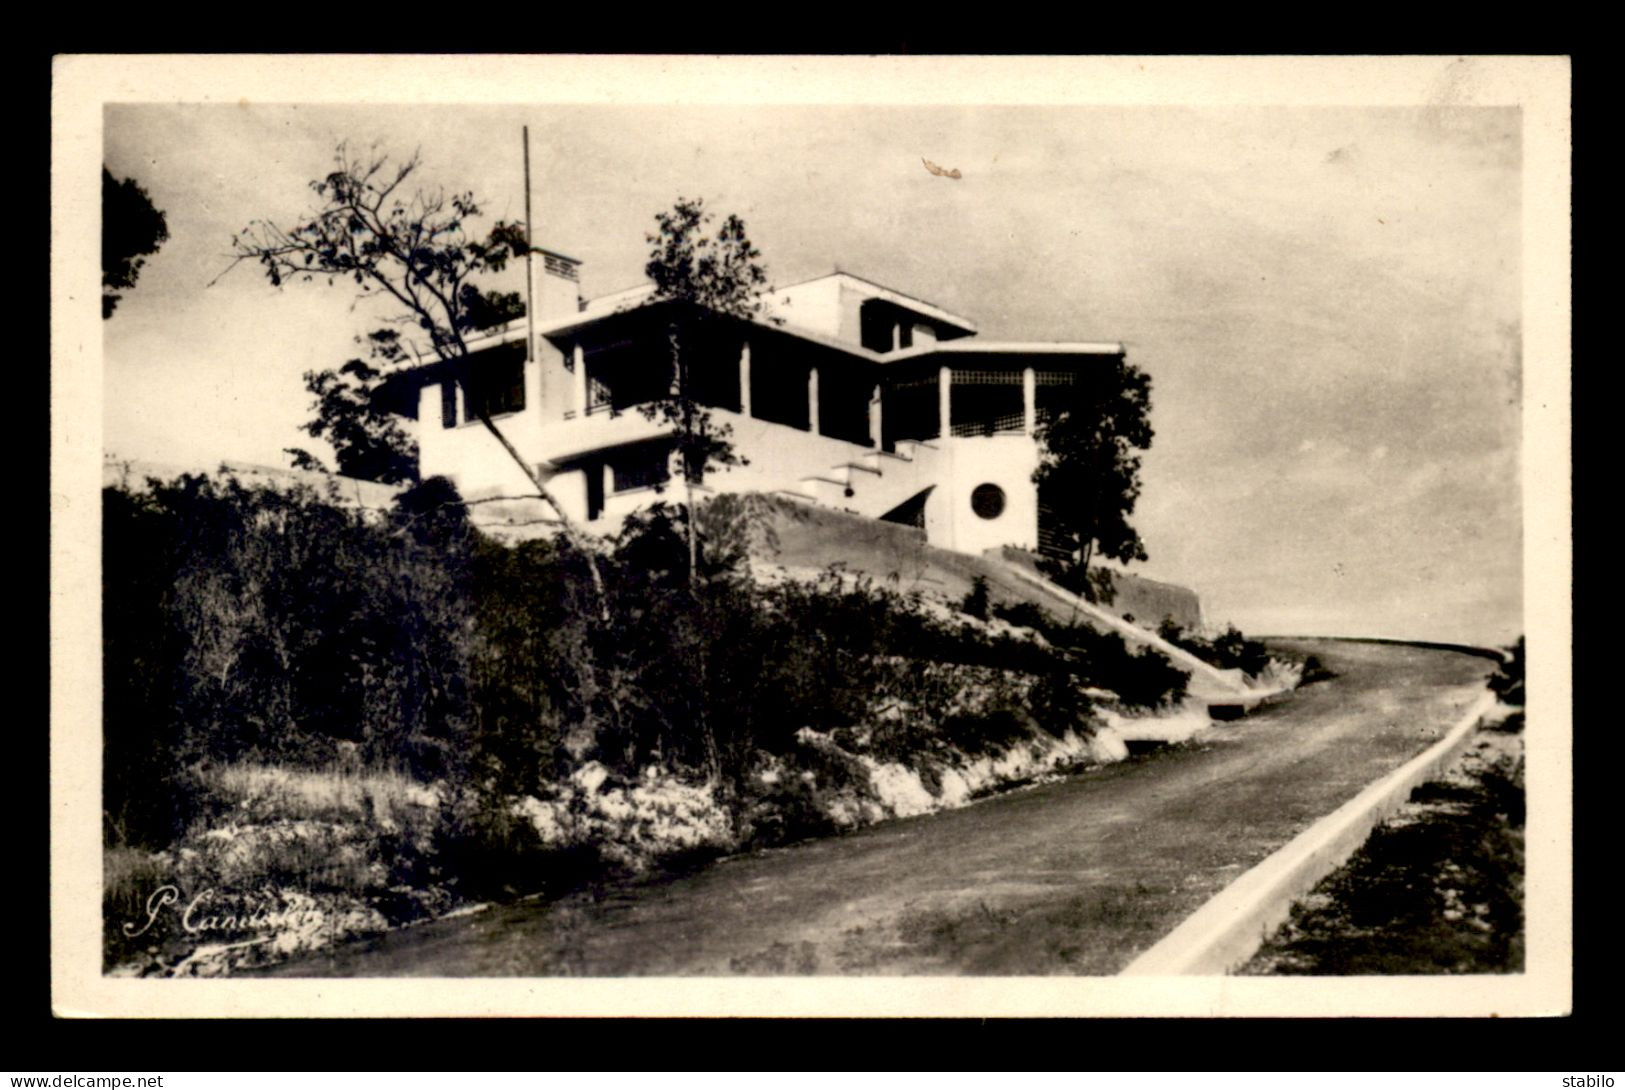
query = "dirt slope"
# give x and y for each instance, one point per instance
(801, 536)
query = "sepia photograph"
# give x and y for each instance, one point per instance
(810, 535)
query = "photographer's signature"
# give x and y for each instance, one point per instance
(207, 913)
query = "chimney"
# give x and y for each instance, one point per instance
(558, 285)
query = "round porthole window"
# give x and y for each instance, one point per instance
(987, 500)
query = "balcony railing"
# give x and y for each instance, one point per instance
(1007, 424)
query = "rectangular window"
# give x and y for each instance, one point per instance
(448, 404)
(499, 385)
(645, 469)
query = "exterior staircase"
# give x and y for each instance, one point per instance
(875, 481)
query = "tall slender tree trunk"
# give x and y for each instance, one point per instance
(571, 530)
(685, 448)
(687, 456)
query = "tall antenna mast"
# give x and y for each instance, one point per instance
(530, 261)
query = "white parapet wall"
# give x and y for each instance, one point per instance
(982, 494)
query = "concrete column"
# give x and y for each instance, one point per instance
(429, 395)
(609, 482)
(579, 356)
(744, 379)
(533, 385)
(944, 402)
(1029, 401)
(875, 434)
(812, 400)
(896, 336)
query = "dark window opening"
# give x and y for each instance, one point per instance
(843, 405)
(875, 324)
(712, 352)
(640, 370)
(498, 387)
(646, 467)
(624, 376)
(883, 326)
(910, 411)
(778, 387)
(448, 404)
(987, 408)
(595, 490)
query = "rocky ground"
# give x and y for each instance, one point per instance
(229, 898)
(1438, 888)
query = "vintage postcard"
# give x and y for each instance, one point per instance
(975, 536)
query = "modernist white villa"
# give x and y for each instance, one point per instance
(842, 393)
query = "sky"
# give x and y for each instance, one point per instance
(1328, 299)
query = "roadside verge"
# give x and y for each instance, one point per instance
(1228, 930)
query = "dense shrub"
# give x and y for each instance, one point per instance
(272, 625)
(1314, 670)
(1143, 679)
(984, 732)
(279, 628)
(1024, 615)
(1230, 650)
(1091, 583)
(975, 603)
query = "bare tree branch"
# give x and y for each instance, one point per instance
(417, 251)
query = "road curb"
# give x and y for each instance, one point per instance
(1226, 931)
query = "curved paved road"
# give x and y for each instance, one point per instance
(1074, 877)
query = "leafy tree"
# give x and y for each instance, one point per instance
(367, 441)
(131, 229)
(1089, 474)
(418, 250)
(493, 308)
(712, 276)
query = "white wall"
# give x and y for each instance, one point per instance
(468, 453)
(814, 306)
(557, 296)
(1004, 460)
(779, 458)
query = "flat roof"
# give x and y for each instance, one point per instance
(514, 332)
(890, 295)
(631, 299)
(1016, 348)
